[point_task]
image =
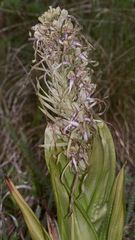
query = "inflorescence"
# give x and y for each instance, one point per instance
(63, 57)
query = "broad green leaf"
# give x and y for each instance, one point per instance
(75, 224)
(71, 225)
(92, 204)
(100, 176)
(116, 222)
(36, 230)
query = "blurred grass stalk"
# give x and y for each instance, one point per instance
(79, 149)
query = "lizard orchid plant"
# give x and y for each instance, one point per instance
(79, 149)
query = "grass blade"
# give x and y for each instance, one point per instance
(35, 228)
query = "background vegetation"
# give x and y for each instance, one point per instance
(110, 27)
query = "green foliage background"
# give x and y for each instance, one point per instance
(110, 27)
